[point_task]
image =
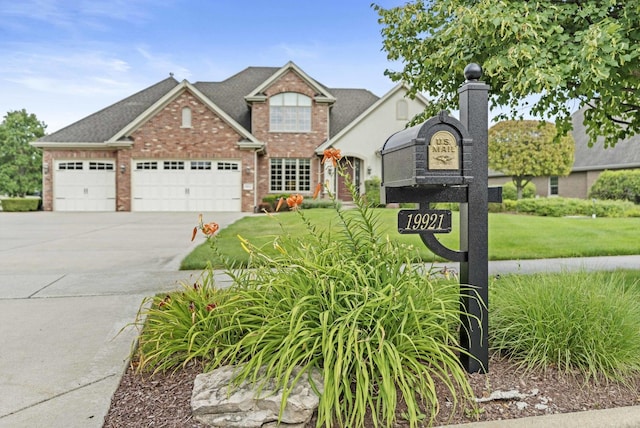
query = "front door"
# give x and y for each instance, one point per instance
(351, 166)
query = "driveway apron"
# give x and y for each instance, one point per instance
(70, 285)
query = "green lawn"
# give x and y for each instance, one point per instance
(511, 237)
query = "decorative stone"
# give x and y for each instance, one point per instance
(215, 402)
(503, 395)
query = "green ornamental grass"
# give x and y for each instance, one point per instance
(584, 322)
(347, 303)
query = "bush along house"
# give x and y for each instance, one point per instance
(219, 146)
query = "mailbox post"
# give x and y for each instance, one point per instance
(446, 160)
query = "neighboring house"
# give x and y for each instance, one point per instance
(589, 163)
(219, 146)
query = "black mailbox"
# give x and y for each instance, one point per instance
(434, 153)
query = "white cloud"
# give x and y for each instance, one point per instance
(162, 65)
(299, 51)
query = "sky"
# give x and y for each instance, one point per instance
(63, 60)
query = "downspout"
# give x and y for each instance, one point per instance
(255, 181)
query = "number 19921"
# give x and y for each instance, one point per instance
(416, 221)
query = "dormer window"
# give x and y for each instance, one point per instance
(186, 117)
(290, 112)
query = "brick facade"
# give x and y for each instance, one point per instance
(289, 144)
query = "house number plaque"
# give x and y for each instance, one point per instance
(443, 151)
(420, 221)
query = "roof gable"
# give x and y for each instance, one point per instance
(323, 94)
(170, 96)
(354, 106)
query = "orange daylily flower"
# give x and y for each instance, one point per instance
(333, 155)
(208, 229)
(294, 201)
(280, 202)
(317, 191)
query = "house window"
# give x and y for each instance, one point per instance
(402, 110)
(186, 117)
(228, 166)
(70, 165)
(290, 175)
(141, 166)
(201, 165)
(290, 112)
(553, 186)
(101, 166)
(173, 165)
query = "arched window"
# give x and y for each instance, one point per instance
(402, 110)
(186, 117)
(290, 112)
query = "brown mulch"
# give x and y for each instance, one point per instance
(162, 400)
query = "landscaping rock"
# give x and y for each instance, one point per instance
(215, 402)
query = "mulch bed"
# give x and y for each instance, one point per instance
(162, 400)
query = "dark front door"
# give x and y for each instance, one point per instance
(351, 166)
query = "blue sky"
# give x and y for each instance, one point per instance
(65, 59)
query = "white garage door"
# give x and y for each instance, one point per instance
(84, 186)
(176, 185)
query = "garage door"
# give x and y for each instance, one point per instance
(84, 186)
(176, 185)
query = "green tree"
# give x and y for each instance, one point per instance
(20, 163)
(524, 149)
(547, 56)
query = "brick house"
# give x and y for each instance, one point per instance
(218, 146)
(588, 164)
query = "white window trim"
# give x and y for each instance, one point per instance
(186, 117)
(299, 113)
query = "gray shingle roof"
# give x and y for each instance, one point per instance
(104, 124)
(625, 154)
(228, 95)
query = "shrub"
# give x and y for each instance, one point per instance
(562, 207)
(584, 321)
(372, 191)
(352, 305)
(20, 204)
(319, 203)
(509, 191)
(617, 185)
(273, 200)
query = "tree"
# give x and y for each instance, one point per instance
(524, 149)
(20, 163)
(548, 56)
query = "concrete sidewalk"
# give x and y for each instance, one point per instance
(70, 282)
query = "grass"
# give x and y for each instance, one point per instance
(585, 322)
(511, 237)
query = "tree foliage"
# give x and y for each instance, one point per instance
(562, 54)
(20, 163)
(525, 149)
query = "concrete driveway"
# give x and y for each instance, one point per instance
(69, 282)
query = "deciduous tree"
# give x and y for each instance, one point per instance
(523, 149)
(549, 57)
(20, 163)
